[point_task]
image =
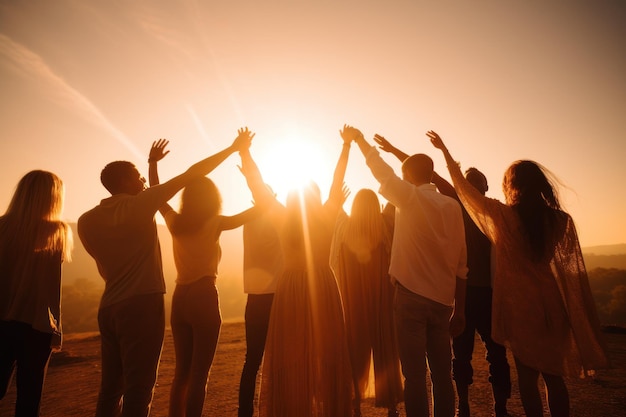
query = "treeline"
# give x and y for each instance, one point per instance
(81, 299)
(608, 286)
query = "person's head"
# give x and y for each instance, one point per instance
(365, 204)
(122, 177)
(39, 195)
(418, 169)
(303, 208)
(477, 179)
(527, 182)
(200, 200)
(35, 213)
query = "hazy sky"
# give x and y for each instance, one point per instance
(83, 83)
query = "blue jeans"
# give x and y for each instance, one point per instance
(29, 350)
(257, 316)
(131, 334)
(422, 328)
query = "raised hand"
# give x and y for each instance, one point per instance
(243, 139)
(349, 133)
(436, 140)
(345, 192)
(383, 143)
(157, 151)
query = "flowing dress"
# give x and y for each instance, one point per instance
(544, 312)
(306, 369)
(367, 294)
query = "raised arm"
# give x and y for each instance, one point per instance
(260, 191)
(157, 152)
(386, 146)
(207, 165)
(336, 195)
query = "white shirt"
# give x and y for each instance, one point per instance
(428, 251)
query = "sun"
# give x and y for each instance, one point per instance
(291, 161)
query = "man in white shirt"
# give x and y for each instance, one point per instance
(429, 267)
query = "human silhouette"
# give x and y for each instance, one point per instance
(306, 369)
(478, 298)
(34, 242)
(120, 234)
(196, 319)
(543, 309)
(360, 260)
(428, 265)
(262, 266)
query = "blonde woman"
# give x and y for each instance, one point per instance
(360, 259)
(34, 242)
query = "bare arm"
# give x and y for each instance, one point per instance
(336, 195)
(207, 165)
(233, 222)
(157, 152)
(444, 186)
(386, 146)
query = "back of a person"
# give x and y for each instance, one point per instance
(125, 246)
(198, 253)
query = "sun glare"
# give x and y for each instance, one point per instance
(291, 162)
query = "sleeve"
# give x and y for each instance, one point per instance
(393, 188)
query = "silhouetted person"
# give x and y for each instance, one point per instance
(262, 265)
(428, 264)
(34, 241)
(477, 302)
(120, 234)
(306, 369)
(360, 259)
(196, 318)
(543, 309)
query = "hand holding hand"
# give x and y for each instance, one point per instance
(157, 151)
(436, 140)
(349, 133)
(383, 143)
(243, 139)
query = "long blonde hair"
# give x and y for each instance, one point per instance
(32, 222)
(366, 228)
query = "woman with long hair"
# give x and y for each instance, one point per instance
(34, 242)
(306, 369)
(360, 259)
(195, 318)
(543, 309)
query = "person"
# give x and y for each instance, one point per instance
(543, 309)
(478, 298)
(120, 234)
(34, 242)
(360, 259)
(195, 319)
(306, 368)
(428, 265)
(262, 265)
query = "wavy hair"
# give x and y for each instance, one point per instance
(530, 189)
(32, 222)
(199, 202)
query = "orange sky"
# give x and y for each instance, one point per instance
(85, 83)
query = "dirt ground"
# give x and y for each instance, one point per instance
(74, 374)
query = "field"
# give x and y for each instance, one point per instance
(74, 375)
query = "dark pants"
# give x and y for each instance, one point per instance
(29, 350)
(478, 319)
(257, 316)
(131, 334)
(423, 331)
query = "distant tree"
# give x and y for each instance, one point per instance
(609, 292)
(79, 306)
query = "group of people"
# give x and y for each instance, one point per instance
(328, 294)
